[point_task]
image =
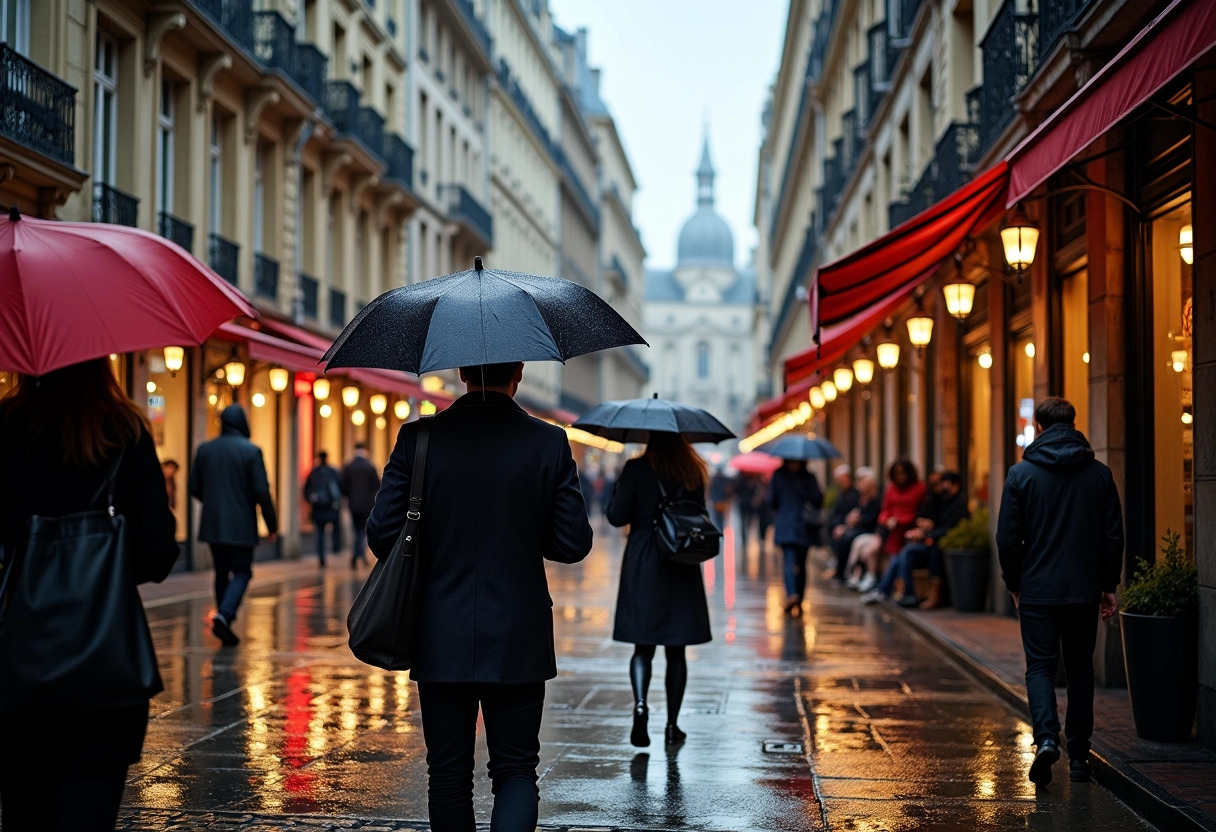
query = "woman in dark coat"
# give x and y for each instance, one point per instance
(65, 765)
(792, 490)
(659, 602)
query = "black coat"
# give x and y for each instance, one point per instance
(787, 493)
(323, 493)
(34, 481)
(501, 496)
(229, 477)
(658, 602)
(947, 512)
(1060, 530)
(360, 482)
(846, 501)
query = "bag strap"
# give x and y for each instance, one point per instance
(106, 488)
(409, 532)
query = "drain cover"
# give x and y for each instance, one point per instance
(781, 747)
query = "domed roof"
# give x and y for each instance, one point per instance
(705, 239)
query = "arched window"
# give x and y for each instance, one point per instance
(702, 360)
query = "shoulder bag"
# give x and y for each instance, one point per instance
(73, 631)
(386, 616)
(683, 530)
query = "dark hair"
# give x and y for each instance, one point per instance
(322, 455)
(491, 375)
(360, 446)
(951, 477)
(672, 457)
(79, 408)
(906, 466)
(1054, 411)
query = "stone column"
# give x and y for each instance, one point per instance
(1000, 377)
(947, 390)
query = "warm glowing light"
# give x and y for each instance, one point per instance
(591, 440)
(213, 400)
(829, 391)
(1029, 349)
(358, 418)
(381, 423)
(1186, 244)
(432, 384)
(959, 297)
(920, 330)
(888, 355)
(378, 403)
(326, 411)
(790, 421)
(320, 389)
(1177, 360)
(427, 408)
(175, 357)
(805, 409)
(863, 370)
(151, 385)
(1019, 237)
(843, 377)
(234, 371)
(1187, 418)
(350, 396)
(766, 434)
(278, 379)
(985, 360)
(401, 409)
(258, 399)
(816, 398)
(1085, 357)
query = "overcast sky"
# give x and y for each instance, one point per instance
(667, 66)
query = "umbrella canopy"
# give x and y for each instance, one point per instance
(70, 292)
(802, 447)
(479, 316)
(754, 462)
(632, 420)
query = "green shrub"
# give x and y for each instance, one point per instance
(1168, 587)
(971, 534)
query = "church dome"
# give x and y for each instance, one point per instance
(705, 239)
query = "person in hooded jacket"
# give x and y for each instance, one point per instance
(229, 478)
(795, 497)
(1060, 540)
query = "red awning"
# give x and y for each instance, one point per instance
(1183, 32)
(265, 347)
(838, 339)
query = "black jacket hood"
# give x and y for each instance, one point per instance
(1060, 448)
(233, 420)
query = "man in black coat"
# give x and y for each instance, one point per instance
(360, 482)
(847, 499)
(229, 477)
(1060, 540)
(501, 496)
(323, 493)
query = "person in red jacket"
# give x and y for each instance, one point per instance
(900, 504)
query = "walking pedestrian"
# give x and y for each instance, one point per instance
(750, 493)
(323, 493)
(721, 492)
(659, 602)
(360, 482)
(64, 435)
(501, 496)
(169, 468)
(229, 478)
(796, 499)
(1060, 540)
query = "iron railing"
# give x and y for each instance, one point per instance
(369, 128)
(799, 280)
(114, 206)
(479, 29)
(37, 108)
(309, 289)
(176, 229)
(224, 257)
(361, 123)
(952, 164)
(515, 92)
(882, 57)
(1010, 57)
(265, 276)
(276, 46)
(337, 308)
(233, 16)
(463, 207)
(576, 186)
(399, 157)
(862, 103)
(1055, 18)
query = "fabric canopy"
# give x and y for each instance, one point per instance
(900, 260)
(838, 339)
(1183, 32)
(265, 347)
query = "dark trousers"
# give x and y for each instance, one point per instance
(358, 549)
(319, 527)
(233, 571)
(61, 800)
(746, 518)
(840, 548)
(795, 569)
(512, 715)
(1046, 632)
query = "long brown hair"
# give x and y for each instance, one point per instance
(672, 457)
(80, 409)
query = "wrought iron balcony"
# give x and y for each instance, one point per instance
(224, 257)
(176, 229)
(361, 123)
(265, 276)
(799, 280)
(479, 29)
(277, 47)
(337, 308)
(233, 16)
(36, 108)
(862, 98)
(576, 186)
(369, 128)
(1010, 57)
(906, 15)
(464, 208)
(516, 94)
(114, 206)
(952, 164)
(1055, 18)
(882, 57)
(399, 157)
(309, 289)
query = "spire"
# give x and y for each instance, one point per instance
(705, 174)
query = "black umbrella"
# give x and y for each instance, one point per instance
(479, 316)
(632, 420)
(797, 446)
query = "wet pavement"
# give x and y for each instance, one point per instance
(289, 731)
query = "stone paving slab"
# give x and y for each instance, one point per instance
(142, 819)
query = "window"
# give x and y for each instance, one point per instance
(702, 360)
(15, 24)
(164, 161)
(259, 198)
(105, 109)
(215, 175)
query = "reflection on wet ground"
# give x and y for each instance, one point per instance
(290, 724)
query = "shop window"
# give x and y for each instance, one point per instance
(979, 439)
(1024, 350)
(168, 408)
(1074, 351)
(265, 430)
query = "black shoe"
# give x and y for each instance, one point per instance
(639, 736)
(223, 632)
(674, 736)
(1078, 771)
(909, 601)
(1044, 759)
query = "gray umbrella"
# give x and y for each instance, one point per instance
(479, 316)
(798, 446)
(632, 420)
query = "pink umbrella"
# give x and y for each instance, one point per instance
(754, 462)
(73, 291)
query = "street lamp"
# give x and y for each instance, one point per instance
(401, 409)
(843, 377)
(985, 359)
(1019, 237)
(959, 299)
(175, 357)
(357, 418)
(378, 403)
(817, 399)
(888, 355)
(234, 372)
(1186, 244)
(829, 391)
(920, 331)
(320, 389)
(278, 379)
(350, 395)
(863, 370)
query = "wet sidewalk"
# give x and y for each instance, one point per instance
(881, 732)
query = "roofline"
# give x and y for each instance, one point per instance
(616, 137)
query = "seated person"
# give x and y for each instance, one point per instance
(859, 523)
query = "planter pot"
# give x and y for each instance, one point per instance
(1161, 654)
(968, 572)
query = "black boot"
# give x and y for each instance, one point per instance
(639, 735)
(674, 736)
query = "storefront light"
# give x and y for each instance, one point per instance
(1186, 244)
(789, 421)
(213, 400)
(843, 377)
(427, 408)
(258, 399)
(1019, 237)
(234, 372)
(401, 409)
(1085, 357)
(358, 418)
(985, 359)
(1029, 349)
(920, 331)
(1177, 360)
(888, 355)
(959, 299)
(326, 411)
(829, 391)
(1187, 419)
(278, 379)
(320, 389)
(350, 395)
(805, 409)
(378, 403)
(381, 423)
(151, 385)
(432, 384)
(863, 370)
(175, 358)
(816, 398)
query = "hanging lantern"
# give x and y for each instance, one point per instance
(816, 398)
(829, 391)
(320, 389)
(863, 370)
(843, 377)
(381, 423)
(234, 371)
(378, 403)
(278, 379)
(326, 411)
(401, 409)
(1178, 360)
(1186, 245)
(959, 298)
(350, 395)
(920, 331)
(888, 355)
(1020, 237)
(175, 357)
(357, 418)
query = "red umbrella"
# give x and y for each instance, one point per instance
(72, 291)
(754, 462)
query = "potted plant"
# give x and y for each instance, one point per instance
(1160, 627)
(967, 548)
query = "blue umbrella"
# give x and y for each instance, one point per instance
(798, 446)
(632, 420)
(479, 316)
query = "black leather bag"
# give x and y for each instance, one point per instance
(385, 618)
(73, 630)
(683, 530)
